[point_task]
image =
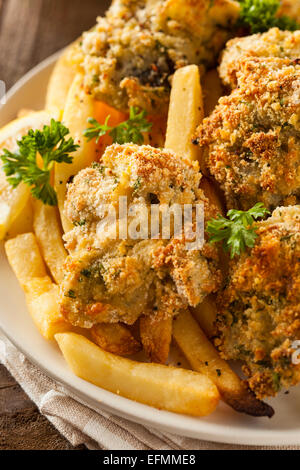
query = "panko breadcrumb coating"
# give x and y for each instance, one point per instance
(274, 43)
(111, 280)
(252, 139)
(129, 57)
(259, 310)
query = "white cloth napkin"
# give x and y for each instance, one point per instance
(80, 424)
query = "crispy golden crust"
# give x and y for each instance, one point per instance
(251, 140)
(259, 310)
(129, 57)
(116, 339)
(108, 279)
(156, 336)
(274, 43)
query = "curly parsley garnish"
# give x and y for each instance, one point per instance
(22, 166)
(261, 15)
(130, 131)
(238, 231)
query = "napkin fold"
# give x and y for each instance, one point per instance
(81, 424)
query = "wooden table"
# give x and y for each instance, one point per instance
(30, 31)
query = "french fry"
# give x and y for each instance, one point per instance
(49, 236)
(185, 112)
(156, 337)
(186, 99)
(23, 223)
(24, 256)
(25, 112)
(163, 387)
(79, 107)
(42, 301)
(206, 315)
(212, 90)
(204, 358)
(115, 338)
(60, 81)
(14, 200)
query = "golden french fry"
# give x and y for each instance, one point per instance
(156, 337)
(185, 112)
(212, 90)
(49, 235)
(163, 387)
(41, 294)
(24, 112)
(42, 302)
(23, 223)
(204, 358)
(79, 107)
(14, 200)
(61, 80)
(25, 258)
(115, 338)
(206, 315)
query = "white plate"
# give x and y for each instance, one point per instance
(224, 425)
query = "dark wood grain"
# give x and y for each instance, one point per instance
(30, 31)
(22, 427)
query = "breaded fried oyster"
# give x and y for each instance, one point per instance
(252, 139)
(274, 43)
(129, 57)
(111, 278)
(259, 310)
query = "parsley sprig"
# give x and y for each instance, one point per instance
(238, 231)
(130, 131)
(22, 166)
(261, 15)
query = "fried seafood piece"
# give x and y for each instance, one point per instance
(110, 277)
(274, 43)
(129, 57)
(259, 310)
(251, 141)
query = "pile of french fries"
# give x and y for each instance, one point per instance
(36, 253)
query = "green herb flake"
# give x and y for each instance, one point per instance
(79, 223)
(71, 294)
(130, 131)
(238, 231)
(261, 15)
(22, 167)
(86, 273)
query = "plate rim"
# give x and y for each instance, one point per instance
(134, 411)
